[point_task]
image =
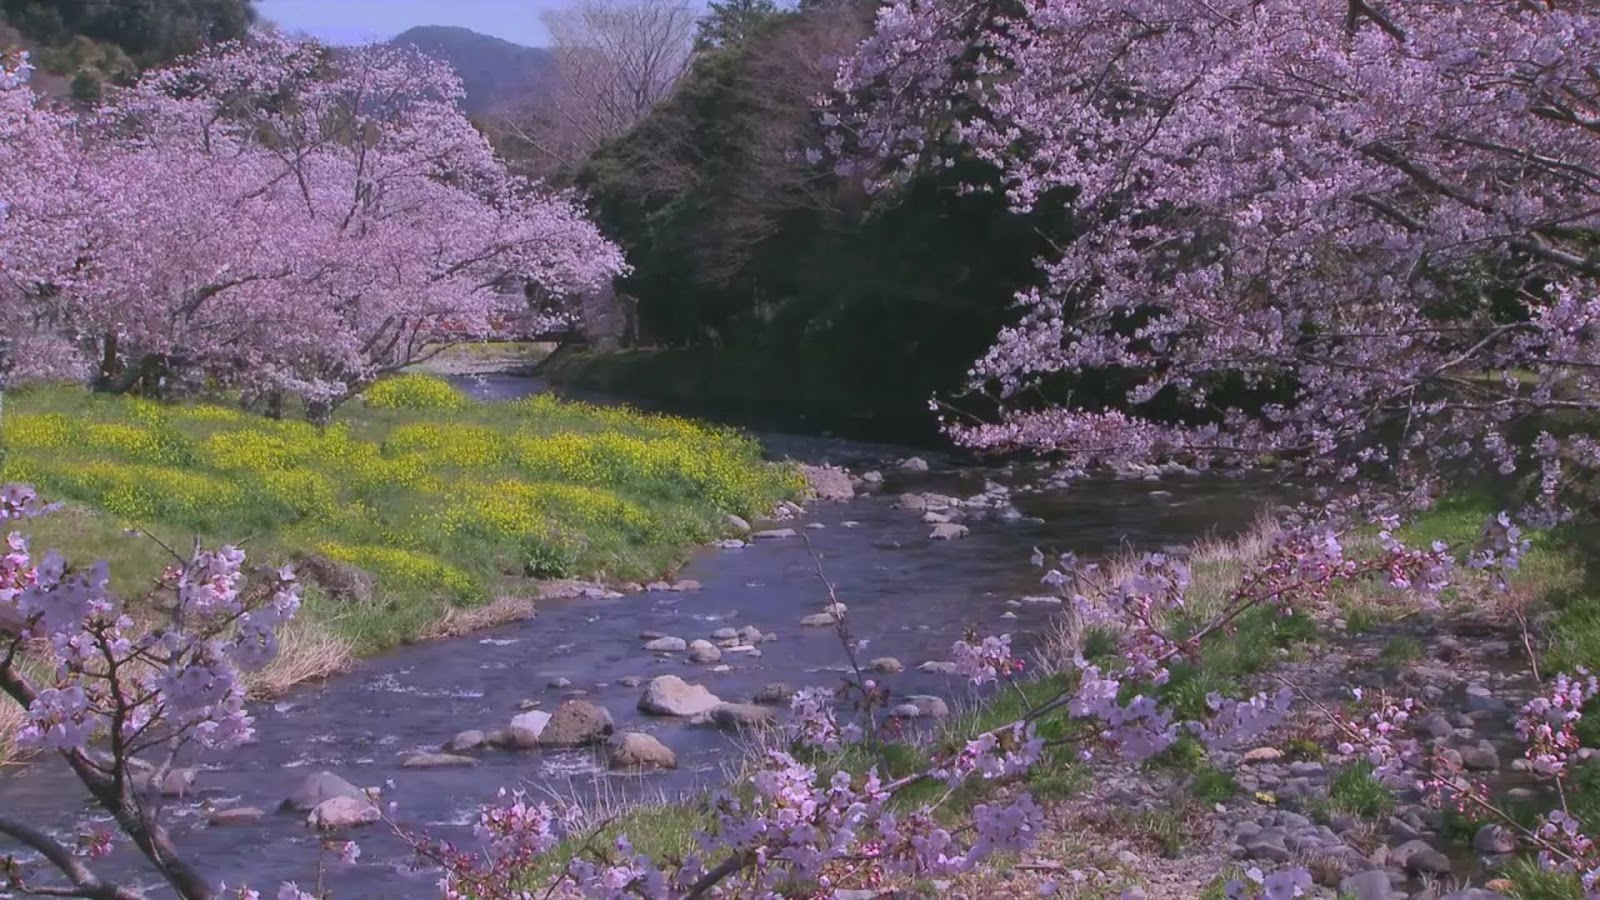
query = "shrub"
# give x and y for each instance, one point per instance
(415, 392)
(393, 568)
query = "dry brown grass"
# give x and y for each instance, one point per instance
(1215, 566)
(456, 622)
(306, 652)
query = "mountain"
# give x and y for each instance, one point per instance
(498, 74)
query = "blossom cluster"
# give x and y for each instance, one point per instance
(201, 222)
(1188, 142)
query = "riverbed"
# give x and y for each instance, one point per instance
(908, 596)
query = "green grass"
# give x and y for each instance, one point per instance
(1212, 785)
(447, 502)
(1400, 650)
(1356, 791)
(1530, 882)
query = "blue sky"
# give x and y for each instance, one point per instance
(359, 21)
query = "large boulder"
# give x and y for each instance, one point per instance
(577, 723)
(340, 580)
(318, 788)
(637, 750)
(527, 729)
(669, 695)
(343, 812)
(828, 482)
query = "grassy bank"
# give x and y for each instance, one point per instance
(450, 506)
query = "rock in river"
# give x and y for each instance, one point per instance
(948, 532)
(703, 651)
(343, 812)
(318, 788)
(577, 723)
(669, 695)
(637, 750)
(773, 534)
(743, 717)
(437, 761)
(667, 645)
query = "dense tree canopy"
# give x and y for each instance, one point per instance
(148, 31)
(1303, 219)
(750, 248)
(275, 216)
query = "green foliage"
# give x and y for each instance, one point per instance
(1212, 785)
(1355, 790)
(783, 293)
(1530, 882)
(446, 502)
(1400, 650)
(146, 33)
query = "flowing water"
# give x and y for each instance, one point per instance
(910, 597)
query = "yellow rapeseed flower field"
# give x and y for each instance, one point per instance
(441, 499)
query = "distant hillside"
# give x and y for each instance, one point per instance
(497, 73)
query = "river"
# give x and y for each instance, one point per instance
(909, 596)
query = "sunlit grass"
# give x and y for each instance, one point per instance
(445, 501)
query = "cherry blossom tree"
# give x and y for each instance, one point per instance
(273, 214)
(1340, 230)
(122, 698)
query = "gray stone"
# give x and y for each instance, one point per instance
(667, 645)
(872, 477)
(471, 739)
(887, 664)
(319, 787)
(1435, 726)
(948, 532)
(1305, 769)
(774, 534)
(559, 683)
(723, 634)
(437, 761)
(1493, 839)
(1372, 884)
(239, 815)
(743, 717)
(343, 812)
(527, 729)
(340, 580)
(728, 544)
(828, 483)
(938, 667)
(1481, 757)
(776, 693)
(819, 620)
(577, 723)
(630, 681)
(1268, 845)
(736, 522)
(1481, 699)
(669, 695)
(637, 750)
(750, 634)
(914, 464)
(921, 706)
(702, 651)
